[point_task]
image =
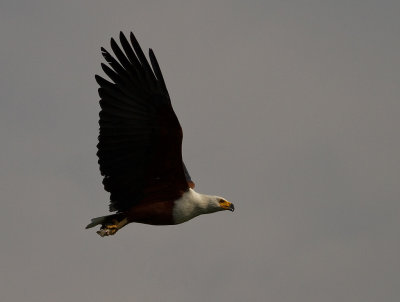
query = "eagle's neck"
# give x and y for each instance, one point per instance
(193, 204)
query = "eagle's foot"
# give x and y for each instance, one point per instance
(112, 228)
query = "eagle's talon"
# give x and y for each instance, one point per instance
(107, 231)
(111, 229)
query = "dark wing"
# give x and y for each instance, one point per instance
(140, 137)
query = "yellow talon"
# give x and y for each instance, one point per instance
(111, 229)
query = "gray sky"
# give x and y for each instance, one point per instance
(290, 109)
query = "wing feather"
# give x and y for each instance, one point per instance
(140, 139)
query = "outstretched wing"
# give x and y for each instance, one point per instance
(140, 137)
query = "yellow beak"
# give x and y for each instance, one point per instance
(226, 205)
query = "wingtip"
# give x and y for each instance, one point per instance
(133, 38)
(99, 80)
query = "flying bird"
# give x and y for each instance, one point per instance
(140, 146)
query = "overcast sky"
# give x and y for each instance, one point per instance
(290, 109)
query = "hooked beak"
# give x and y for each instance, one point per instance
(226, 205)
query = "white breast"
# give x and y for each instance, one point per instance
(190, 205)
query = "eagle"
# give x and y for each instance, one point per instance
(140, 146)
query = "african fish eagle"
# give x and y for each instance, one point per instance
(140, 146)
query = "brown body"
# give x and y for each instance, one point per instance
(153, 212)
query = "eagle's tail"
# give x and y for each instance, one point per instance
(96, 221)
(110, 224)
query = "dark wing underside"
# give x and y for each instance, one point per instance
(140, 137)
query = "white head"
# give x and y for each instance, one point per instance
(192, 204)
(211, 204)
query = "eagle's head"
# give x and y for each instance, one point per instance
(192, 204)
